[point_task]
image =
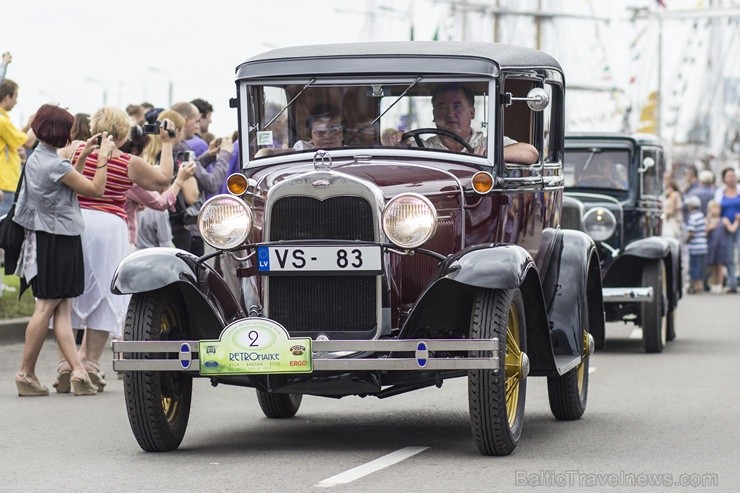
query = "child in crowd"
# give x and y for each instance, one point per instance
(696, 243)
(717, 248)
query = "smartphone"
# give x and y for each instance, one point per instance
(99, 139)
(188, 156)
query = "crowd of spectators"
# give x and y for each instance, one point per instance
(115, 188)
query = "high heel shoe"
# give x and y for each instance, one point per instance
(62, 382)
(28, 387)
(96, 375)
(82, 384)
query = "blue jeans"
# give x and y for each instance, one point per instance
(7, 202)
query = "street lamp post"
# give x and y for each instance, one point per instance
(169, 83)
(105, 89)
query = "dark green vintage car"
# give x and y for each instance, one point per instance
(613, 189)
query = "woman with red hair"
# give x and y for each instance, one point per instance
(51, 259)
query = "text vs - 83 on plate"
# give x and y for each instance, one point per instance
(345, 258)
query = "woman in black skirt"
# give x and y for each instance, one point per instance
(51, 258)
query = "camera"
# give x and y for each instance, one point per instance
(153, 128)
(184, 157)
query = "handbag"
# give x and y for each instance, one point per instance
(12, 234)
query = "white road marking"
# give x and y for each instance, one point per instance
(636, 333)
(371, 467)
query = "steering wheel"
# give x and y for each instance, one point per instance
(416, 134)
(600, 181)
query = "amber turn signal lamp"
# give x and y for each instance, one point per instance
(482, 182)
(237, 184)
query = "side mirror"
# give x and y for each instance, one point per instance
(647, 163)
(537, 99)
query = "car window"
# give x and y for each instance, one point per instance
(597, 168)
(298, 117)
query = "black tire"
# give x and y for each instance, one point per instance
(568, 393)
(671, 325)
(495, 420)
(654, 324)
(158, 403)
(279, 406)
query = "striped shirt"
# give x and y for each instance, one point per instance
(117, 184)
(697, 230)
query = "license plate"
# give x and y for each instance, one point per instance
(364, 259)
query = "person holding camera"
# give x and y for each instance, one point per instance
(105, 238)
(137, 198)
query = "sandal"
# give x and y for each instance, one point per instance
(62, 382)
(82, 384)
(29, 386)
(96, 375)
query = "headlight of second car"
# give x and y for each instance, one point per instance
(409, 220)
(224, 222)
(599, 223)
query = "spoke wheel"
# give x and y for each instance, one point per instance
(279, 406)
(496, 398)
(654, 323)
(158, 403)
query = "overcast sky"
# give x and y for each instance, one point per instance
(71, 51)
(75, 52)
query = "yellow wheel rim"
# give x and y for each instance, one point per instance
(582, 365)
(170, 406)
(513, 366)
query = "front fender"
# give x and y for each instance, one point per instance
(208, 300)
(492, 267)
(153, 268)
(652, 247)
(444, 308)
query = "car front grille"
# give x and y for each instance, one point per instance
(323, 303)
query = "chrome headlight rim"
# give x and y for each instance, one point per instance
(242, 232)
(600, 236)
(429, 234)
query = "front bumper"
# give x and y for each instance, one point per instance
(181, 355)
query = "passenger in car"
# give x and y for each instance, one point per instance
(453, 109)
(324, 124)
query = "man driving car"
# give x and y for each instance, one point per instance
(453, 109)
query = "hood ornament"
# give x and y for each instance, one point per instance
(322, 161)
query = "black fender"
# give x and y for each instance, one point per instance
(443, 309)
(210, 304)
(573, 294)
(626, 270)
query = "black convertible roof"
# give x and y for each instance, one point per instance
(409, 57)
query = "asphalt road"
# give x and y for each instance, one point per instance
(653, 421)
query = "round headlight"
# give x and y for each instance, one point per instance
(409, 220)
(599, 223)
(224, 222)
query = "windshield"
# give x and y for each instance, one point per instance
(597, 168)
(304, 117)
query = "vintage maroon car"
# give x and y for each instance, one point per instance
(368, 267)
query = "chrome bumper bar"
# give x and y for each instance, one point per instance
(627, 295)
(181, 352)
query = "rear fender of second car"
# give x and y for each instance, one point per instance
(208, 301)
(444, 308)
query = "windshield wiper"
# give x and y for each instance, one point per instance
(397, 100)
(594, 151)
(289, 103)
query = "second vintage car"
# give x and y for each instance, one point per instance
(614, 185)
(371, 261)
